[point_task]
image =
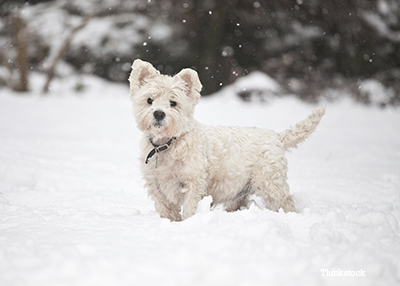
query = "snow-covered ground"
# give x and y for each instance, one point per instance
(73, 210)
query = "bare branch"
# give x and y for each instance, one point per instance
(61, 52)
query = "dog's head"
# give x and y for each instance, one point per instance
(163, 105)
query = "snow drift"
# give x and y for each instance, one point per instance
(73, 210)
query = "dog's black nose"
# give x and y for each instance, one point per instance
(159, 115)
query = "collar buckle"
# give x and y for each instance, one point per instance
(158, 148)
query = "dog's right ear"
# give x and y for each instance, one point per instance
(141, 72)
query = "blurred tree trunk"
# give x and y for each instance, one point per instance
(212, 35)
(20, 40)
(5, 61)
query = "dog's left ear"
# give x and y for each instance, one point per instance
(191, 80)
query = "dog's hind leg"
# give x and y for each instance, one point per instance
(241, 199)
(235, 205)
(270, 183)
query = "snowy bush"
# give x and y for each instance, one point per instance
(375, 93)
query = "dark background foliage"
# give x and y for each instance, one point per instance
(307, 46)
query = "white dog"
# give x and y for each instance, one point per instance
(183, 160)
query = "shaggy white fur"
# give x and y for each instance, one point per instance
(183, 160)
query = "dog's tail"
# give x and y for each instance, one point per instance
(294, 136)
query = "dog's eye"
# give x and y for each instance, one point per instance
(149, 101)
(172, 103)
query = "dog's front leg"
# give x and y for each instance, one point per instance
(190, 204)
(193, 195)
(165, 208)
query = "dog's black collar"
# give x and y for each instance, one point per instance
(158, 149)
